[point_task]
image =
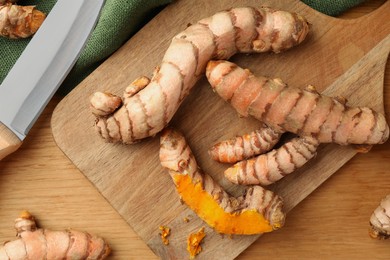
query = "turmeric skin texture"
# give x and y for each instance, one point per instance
(380, 220)
(34, 243)
(257, 211)
(19, 21)
(238, 30)
(270, 167)
(246, 146)
(303, 112)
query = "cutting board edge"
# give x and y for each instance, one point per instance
(64, 152)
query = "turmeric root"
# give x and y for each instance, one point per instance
(245, 146)
(244, 30)
(380, 220)
(34, 243)
(289, 109)
(272, 166)
(19, 21)
(257, 211)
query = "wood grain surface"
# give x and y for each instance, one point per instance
(330, 224)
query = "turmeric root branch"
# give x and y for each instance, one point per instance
(257, 211)
(245, 146)
(303, 112)
(268, 168)
(103, 103)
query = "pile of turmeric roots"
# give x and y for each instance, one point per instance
(18, 21)
(149, 105)
(204, 48)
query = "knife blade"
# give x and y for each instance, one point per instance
(42, 67)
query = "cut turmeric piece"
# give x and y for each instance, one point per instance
(257, 211)
(193, 243)
(18, 21)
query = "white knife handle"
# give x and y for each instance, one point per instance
(9, 142)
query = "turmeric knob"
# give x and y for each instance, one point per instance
(380, 220)
(25, 222)
(103, 103)
(19, 21)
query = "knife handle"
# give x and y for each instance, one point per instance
(9, 142)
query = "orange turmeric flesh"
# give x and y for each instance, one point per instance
(207, 208)
(257, 211)
(165, 232)
(193, 243)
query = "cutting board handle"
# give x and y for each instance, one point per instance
(9, 142)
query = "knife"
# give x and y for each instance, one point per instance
(42, 67)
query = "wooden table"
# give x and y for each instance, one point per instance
(331, 223)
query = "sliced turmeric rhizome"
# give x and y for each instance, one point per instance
(257, 211)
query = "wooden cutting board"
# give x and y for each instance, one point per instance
(131, 178)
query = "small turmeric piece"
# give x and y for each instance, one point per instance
(18, 21)
(103, 103)
(257, 211)
(34, 243)
(148, 110)
(245, 146)
(165, 232)
(268, 168)
(380, 220)
(289, 109)
(193, 242)
(3, 2)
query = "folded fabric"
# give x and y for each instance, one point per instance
(332, 7)
(119, 20)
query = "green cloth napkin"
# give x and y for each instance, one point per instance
(332, 7)
(119, 20)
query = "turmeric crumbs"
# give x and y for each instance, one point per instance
(193, 242)
(165, 232)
